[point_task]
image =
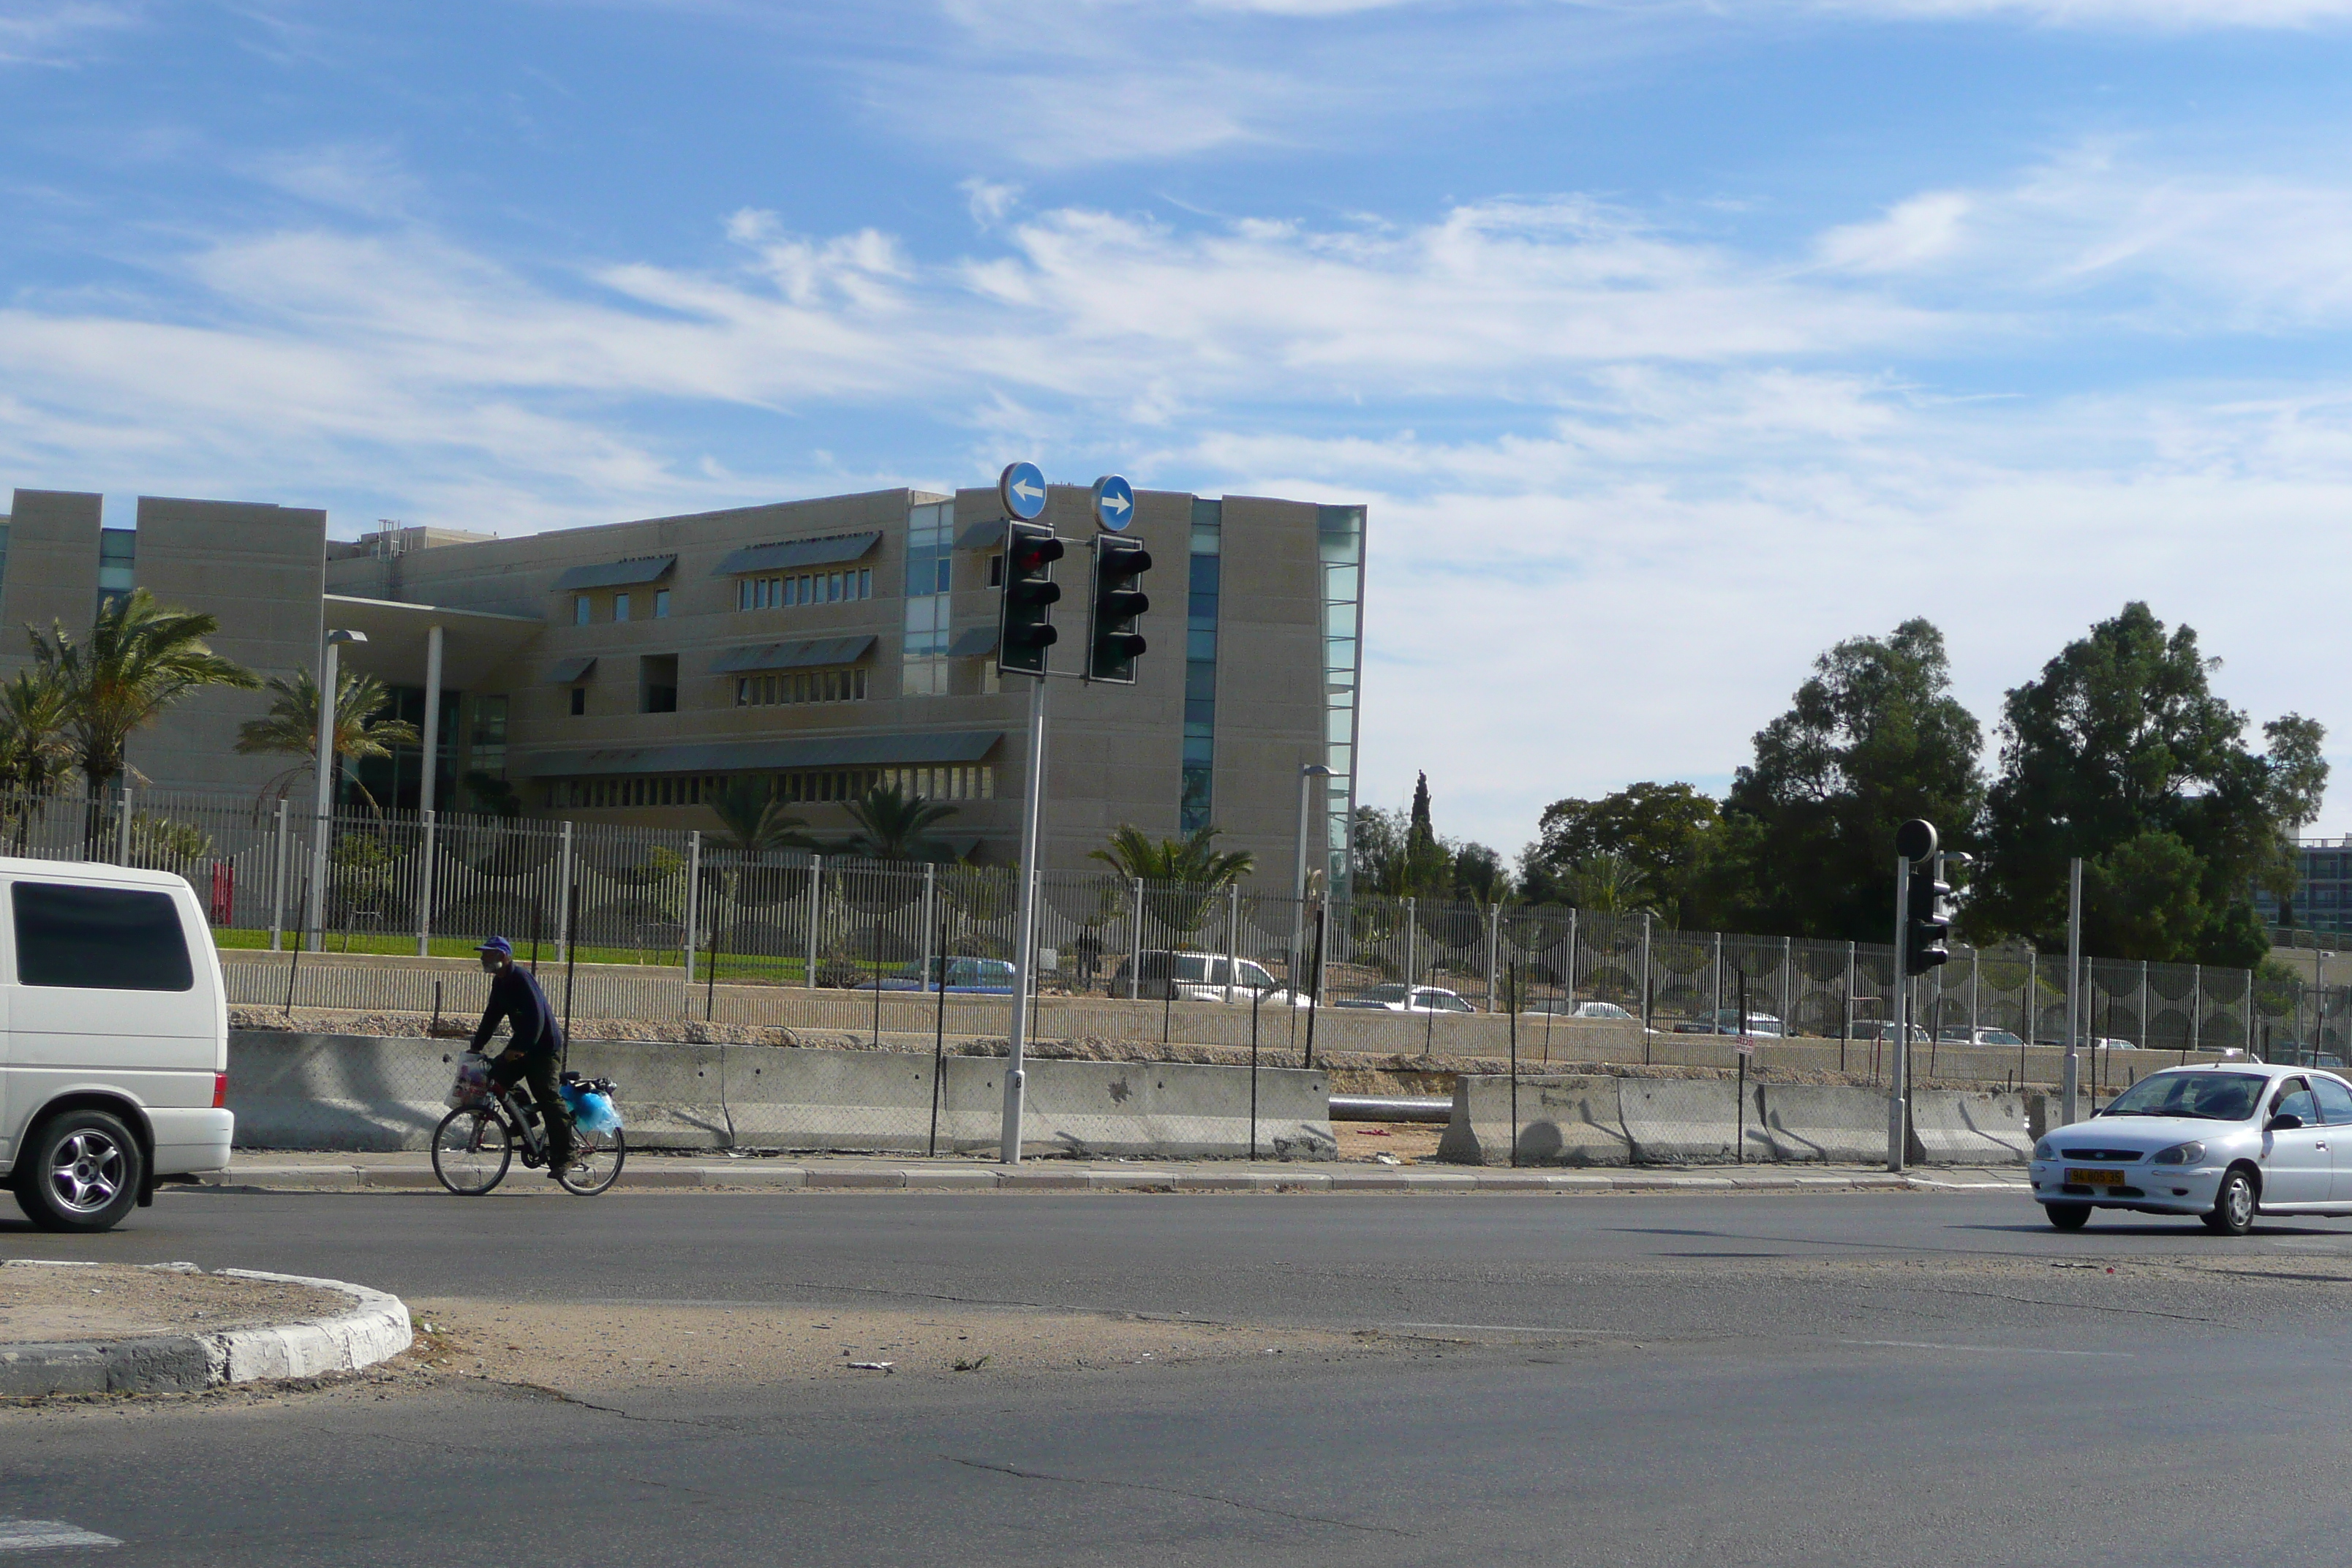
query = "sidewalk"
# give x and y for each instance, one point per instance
(273, 1172)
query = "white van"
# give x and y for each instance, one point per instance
(113, 1040)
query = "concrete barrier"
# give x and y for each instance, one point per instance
(1824, 1121)
(353, 1092)
(1951, 1127)
(1683, 1121)
(1565, 1120)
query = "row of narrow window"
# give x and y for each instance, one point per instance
(966, 781)
(810, 588)
(806, 686)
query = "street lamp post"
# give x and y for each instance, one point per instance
(329, 692)
(1306, 770)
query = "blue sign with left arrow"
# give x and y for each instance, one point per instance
(1113, 503)
(1022, 488)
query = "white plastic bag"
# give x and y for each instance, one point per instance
(473, 1085)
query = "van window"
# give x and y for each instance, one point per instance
(109, 938)
(1192, 968)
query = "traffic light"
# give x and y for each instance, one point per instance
(1026, 630)
(1930, 920)
(1113, 645)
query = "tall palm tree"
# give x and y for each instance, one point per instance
(1191, 861)
(36, 747)
(291, 727)
(140, 658)
(895, 826)
(754, 818)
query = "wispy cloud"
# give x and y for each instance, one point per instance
(56, 32)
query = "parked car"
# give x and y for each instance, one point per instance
(114, 1059)
(1884, 1030)
(966, 976)
(2221, 1142)
(1558, 1008)
(1398, 997)
(1163, 974)
(1979, 1038)
(1726, 1021)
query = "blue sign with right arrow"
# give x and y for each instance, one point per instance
(1113, 503)
(1022, 488)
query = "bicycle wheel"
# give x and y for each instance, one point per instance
(596, 1159)
(470, 1151)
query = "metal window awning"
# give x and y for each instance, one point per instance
(571, 671)
(792, 553)
(791, 655)
(878, 750)
(618, 573)
(974, 642)
(982, 535)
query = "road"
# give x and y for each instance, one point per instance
(1883, 1378)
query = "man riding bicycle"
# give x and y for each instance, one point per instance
(537, 1040)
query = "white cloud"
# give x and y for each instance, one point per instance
(2177, 14)
(53, 32)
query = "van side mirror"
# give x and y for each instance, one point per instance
(2284, 1122)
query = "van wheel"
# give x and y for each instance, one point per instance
(81, 1171)
(2068, 1216)
(2232, 1213)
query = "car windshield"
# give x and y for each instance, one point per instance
(1996, 1038)
(2205, 1096)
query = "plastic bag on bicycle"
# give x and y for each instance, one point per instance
(473, 1085)
(593, 1110)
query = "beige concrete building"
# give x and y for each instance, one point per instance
(621, 673)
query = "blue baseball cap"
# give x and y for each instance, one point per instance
(496, 944)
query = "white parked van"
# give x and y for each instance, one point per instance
(113, 1040)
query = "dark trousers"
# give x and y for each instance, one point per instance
(539, 1071)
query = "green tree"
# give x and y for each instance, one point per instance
(753, 818)
(1193, 861)
(893, 825)
(1873, 738)
(1661, 831)
(2120, 753)
(1398, 857)
(36, 746)
(138, 660)
(290, 729)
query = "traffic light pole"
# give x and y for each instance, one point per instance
(1025, 946)
(1899, 1059)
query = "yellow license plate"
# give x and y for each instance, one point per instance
(2096, 1178)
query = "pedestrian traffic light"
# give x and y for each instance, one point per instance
(1930, 920)
(1113, 645)
(1026, 628)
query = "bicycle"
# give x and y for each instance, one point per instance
(476, 1144)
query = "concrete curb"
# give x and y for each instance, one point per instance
(1045, 1176)
(375, 1328)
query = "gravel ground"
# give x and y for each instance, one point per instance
(44, 1302)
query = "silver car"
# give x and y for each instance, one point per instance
(2223, 1142)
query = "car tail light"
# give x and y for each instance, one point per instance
(220, 1091)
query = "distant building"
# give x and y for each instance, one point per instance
(623, 673)
(2323, 888)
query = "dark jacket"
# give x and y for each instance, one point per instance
(515, 997)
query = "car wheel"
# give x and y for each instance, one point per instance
(2232, 1213)
(81, 1171)
(2068, 1216)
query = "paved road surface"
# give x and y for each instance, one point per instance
(1902, 1379)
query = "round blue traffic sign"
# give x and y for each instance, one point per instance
(1022, 488)
(1113, 503)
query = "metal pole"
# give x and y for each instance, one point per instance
(1493, 944)
(1787, 987)
(1257, 998)
(1570, 997)
(570, 951)
(323, 765)
(2071, 1082)
(2196, 1011)
(816, 913)
(1135, 946)
(1975, 963)
(1026, 946)
(1412, 940)
(563, 930)
(1232, 935)
(426, 800)
(1714, 1018)
(939, 1023)
(1897, 1060)
(277, 882)
(693, 904)
(1514, 1067)
(931, 913)
(1645, 980)
(122, 825)
(1845, 1011)
(1307, 773)
(2146, 1001)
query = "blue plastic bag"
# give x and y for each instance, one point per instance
(591, 1111)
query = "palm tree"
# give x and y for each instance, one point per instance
(895, 826)
(291, 728)
(754, 818)
(1191, 861)
(36, 745)
(140, 658)
(1609, 883)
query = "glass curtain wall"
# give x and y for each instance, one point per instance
(1339, 532)
(118, 558)
(1198, 800)
(930, 557)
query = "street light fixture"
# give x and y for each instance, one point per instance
(330, 698)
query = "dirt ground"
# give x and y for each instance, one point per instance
(1405, 1142)
(46, 1303)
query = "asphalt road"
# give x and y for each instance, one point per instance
(1896, 1378)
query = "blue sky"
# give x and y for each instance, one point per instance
(1668, 343)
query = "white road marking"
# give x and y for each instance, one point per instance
(48, 1535)
(1986, 1350)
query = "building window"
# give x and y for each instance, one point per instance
(808, 588)
(579, 703)
(958, 783)
(661, 604)
(1339, 532)
(1197, 798)
(996, 570)
(582, 607)
(118, 554)
(620, 607)
(657, 683)
(486, 738)
(931, 558)
(801, 686)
